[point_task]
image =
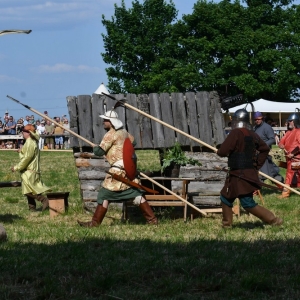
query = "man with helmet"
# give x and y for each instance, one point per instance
(290, 143)
(113, 190)
(246, 153)
(266, 133)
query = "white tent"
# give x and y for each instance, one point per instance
(268, 106)
(101, 89)
(279, 110)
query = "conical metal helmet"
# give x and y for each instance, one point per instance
(294, 117)
(241, 119)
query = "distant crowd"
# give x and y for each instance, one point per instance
(52, 136)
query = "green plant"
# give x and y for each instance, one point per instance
(175, 155)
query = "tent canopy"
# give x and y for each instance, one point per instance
(268, 106)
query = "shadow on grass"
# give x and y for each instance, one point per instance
(105, 268)
(9, 218)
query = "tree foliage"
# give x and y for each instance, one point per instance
(225, 46)
(135, 38)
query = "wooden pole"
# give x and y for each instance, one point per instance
(53, 121)
(195, 139)
(174, 194)
(261, 197)
(93, 145)
(155, 119)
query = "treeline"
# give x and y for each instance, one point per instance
(249, 47)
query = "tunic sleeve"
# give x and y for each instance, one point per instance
(26, 158)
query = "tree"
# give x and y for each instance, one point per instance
(134, 40)
(223, 46)
(252, 50)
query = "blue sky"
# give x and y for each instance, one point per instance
(60, 57)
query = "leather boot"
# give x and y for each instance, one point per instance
(265, 215)
(227, 216)
(148, 213)
(41, 198)
(285, 194)
(31, 203)
(97, 217)
(44, 200)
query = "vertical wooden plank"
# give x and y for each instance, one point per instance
(157, 128)
(167, 117)
(133, 120)
(217, 118)
(192, 117)
(205, 129)
(120, 110)
(85, 117)
(72, 109)
(110, 103)
(146, 130)
(97, 123)
(180, 117)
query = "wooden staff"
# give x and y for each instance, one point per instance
(53, 121)
(261, 197)
(93, 145)
(162, 122)
(193, 138)
(174, 194)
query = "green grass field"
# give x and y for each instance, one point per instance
(47, 258)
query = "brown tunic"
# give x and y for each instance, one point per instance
(235, 142)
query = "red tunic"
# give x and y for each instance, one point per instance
(290, 141)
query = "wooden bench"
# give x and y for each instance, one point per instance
(164, 199)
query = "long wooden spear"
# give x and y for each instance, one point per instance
(93, 145)
(123, 103)
(52, 121)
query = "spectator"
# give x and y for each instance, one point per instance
(5, 115)
(2, 144)
(19, 126)
(67, 134)
(58, 131)
(49, 128)
(40, 127)
(1, 127)
(268, 118)
(5, 124)
(31, 120)
(277, 134)
(266, 133)
(11, 126)
(11, 130)
(26, 121)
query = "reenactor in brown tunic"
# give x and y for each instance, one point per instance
(246, 153)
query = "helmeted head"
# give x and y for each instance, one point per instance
(293, 121)
(241, 119)
(113, 117)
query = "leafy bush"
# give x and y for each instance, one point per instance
(175, 155)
